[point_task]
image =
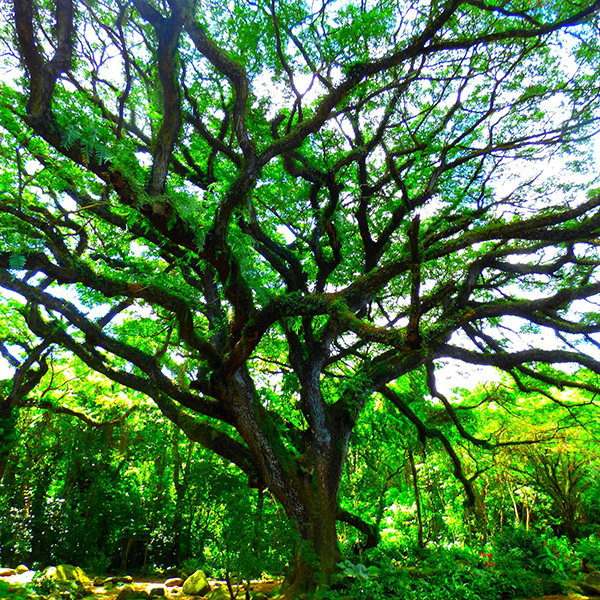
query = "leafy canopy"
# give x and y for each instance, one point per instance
(258, 214)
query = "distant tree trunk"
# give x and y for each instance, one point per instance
(413, 470)
(181, 483)
(6, 433)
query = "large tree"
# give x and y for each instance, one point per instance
(261, 213)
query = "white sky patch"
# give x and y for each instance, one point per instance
(144, 158)
(6, 371)
(451, 374)
(287, 234)
(137, 249)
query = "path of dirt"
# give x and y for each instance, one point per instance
(176, 592)
(168, 592)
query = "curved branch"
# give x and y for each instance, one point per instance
(371, 531)
(426, 432)
(64, 410)
(167, 32)
(509, 360)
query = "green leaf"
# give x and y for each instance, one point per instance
(17, 261)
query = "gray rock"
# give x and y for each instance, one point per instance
(22, 569)
(196, 584)
(6, 572)
(173, 582)
(157, 591)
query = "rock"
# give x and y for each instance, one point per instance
(196, 584)
(593, 578)
(6, 572)
(174, 581)
(591, 586)
(259, 596)
(590, 590)
(157, 591)
(67, 574)
(117, 580)
(126, 593)
(21, 569)
(221, 593)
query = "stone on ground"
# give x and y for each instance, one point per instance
(67, 573)
(174, 581)
(220, 593)
(126, 593)
(196, 584)
(116, 580)
(593, 578)
(591, 585)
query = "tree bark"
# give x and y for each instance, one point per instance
(317, 552)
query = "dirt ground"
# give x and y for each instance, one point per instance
(176, 592)
(173, 593)
(148, 584)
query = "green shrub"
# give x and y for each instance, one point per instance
(517, 547)
(4, 589)
(558, 558)
(588, 549)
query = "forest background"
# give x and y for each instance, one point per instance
(240, 245)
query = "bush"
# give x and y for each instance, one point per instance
(517, 547)
(558, 558)
(588, 550)
(456, 573)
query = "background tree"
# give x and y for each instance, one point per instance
(259, 214)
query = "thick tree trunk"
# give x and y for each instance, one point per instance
(317, 552)
(304, 480)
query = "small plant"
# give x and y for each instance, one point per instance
(588, 550)
(558, 559)
(4, 590)
(487, 559)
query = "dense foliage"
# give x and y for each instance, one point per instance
(278, 221)
(130, 493)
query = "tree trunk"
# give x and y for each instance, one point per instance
(413, 470)
(304, 475)
(7, 435)
(317, 552)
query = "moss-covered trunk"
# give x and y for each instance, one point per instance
(311, 501)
